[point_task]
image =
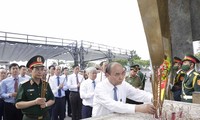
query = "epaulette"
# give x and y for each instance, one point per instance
(182, 72)
(195, 77)
(196, 73)
(25, 81)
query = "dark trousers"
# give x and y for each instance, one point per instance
(31, 117)
(76, 104)
(2, 110)
(58, 110)
(86, 111)
(132, 101)
(11, 112)
(177, 95)
(67, 101)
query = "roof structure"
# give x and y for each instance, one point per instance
(21, 47)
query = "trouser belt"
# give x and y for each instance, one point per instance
(186, 97)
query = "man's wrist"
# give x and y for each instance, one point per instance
(46, 105)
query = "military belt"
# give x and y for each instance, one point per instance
(186, 97)
(35, 117)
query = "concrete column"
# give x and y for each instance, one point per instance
(180, 27)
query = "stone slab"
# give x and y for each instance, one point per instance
(190, 111)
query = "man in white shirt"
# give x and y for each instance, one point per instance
(87, 92)
(73, 83)
(58, 86)
(67, 92)
(110, 95)
(101, 75)
(22, 73)
(2, 77)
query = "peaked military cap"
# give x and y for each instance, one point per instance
(191, 58)
(135, 67)
(177, 60)
(35, 61)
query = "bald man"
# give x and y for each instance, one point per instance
(110, 95)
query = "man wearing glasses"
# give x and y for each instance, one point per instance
(135, 81)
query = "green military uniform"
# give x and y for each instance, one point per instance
(142, 78)
(140, 74)
(177, 86)
(191, 84)
(30, 91)
(134, 81)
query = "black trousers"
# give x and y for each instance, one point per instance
(86, 112)
(76, 105)
(11, 112)
(177, 95)
(58, 110)
(2, 109)
(67, 101)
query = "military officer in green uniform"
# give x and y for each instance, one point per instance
(135, 81)
(191, 81)
(178, 78)
(35, 96)
(141, 75)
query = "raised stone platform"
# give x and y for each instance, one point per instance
(172, 110)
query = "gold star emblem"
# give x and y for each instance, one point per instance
(39, 59)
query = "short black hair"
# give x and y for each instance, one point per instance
(51, 67)
(13, 64)
(75, 66)
(21, 66)
(65, 68)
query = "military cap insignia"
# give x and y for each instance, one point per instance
(39, 59)
(198, 82)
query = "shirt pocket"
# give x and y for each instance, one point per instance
(30, 94)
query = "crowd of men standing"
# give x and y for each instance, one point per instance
(30, 93)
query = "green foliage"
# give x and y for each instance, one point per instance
(197, 55)
(134, 60)
(123, 62)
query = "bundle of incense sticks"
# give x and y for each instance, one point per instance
(159, 84)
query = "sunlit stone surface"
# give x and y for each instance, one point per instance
(183, 111)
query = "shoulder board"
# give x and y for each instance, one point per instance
(196, 73)
(25, 81)
(182, 72)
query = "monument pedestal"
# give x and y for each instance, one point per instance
(171, 110)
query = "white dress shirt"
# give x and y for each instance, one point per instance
(103, 102)
(87, 92)
(7, 87)
(72, 83)
(54, 85)
(24, 78)
(100, 77)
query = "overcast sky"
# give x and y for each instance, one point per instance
(111, 22)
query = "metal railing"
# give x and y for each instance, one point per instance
(34, 39)
(102, 47)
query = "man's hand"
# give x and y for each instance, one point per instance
(13, 94)
(78, 85)
(40, 101)
(145, 108)
(61, 86)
